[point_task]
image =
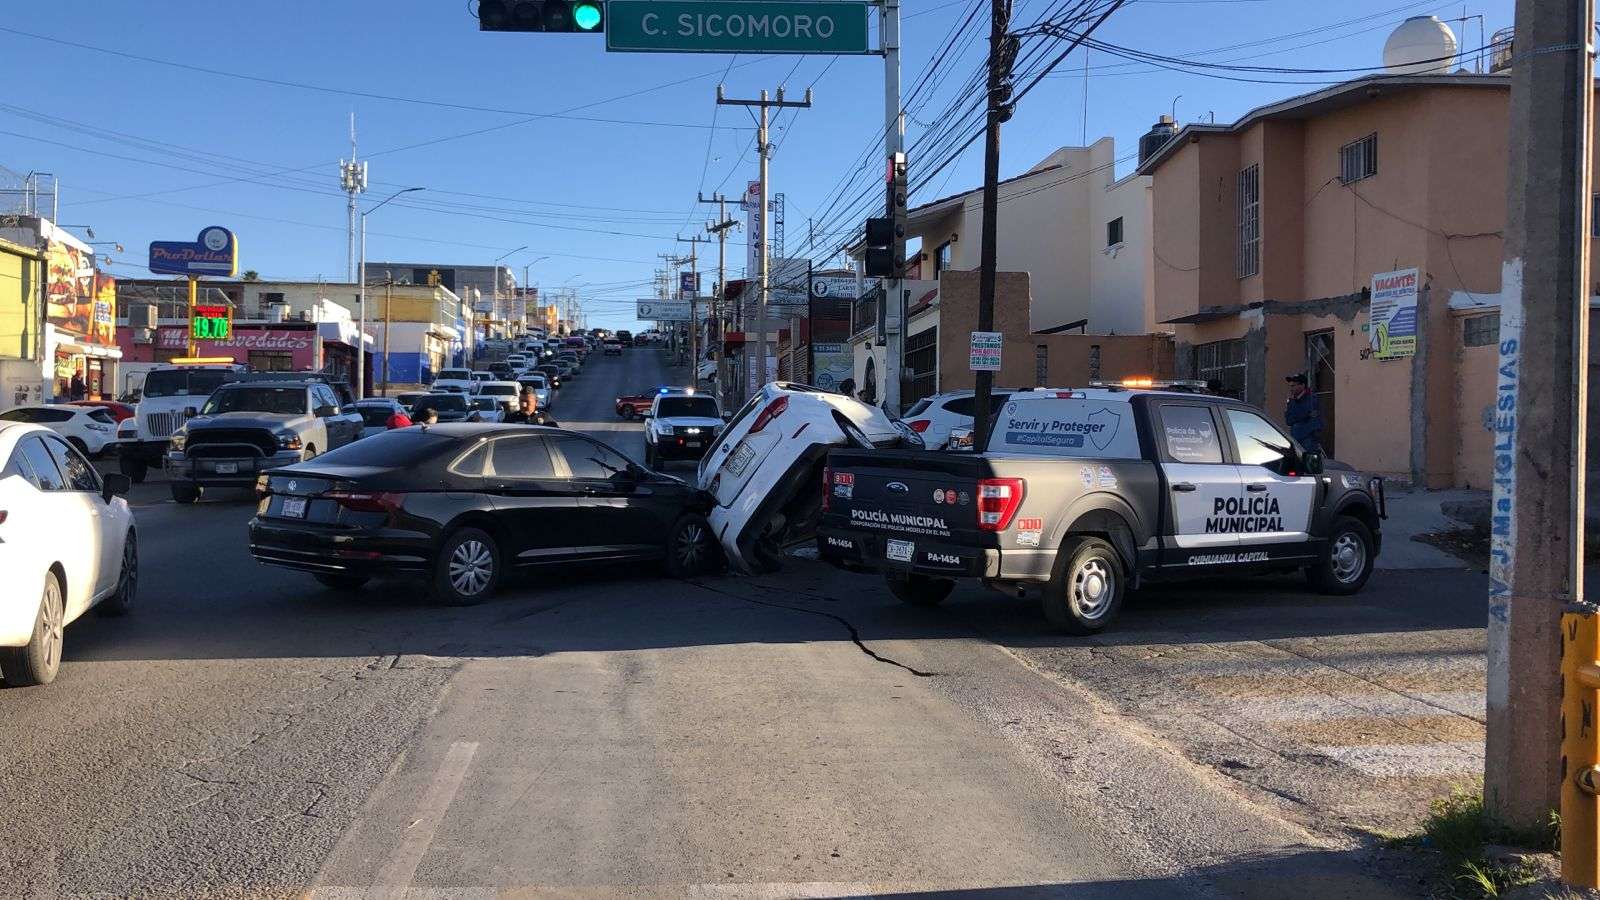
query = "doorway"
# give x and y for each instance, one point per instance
(1319, 378)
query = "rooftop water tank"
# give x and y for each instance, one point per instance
(1422, 45)
(1156, 138)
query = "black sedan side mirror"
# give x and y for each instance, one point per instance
(1312, 462)
(114, 484)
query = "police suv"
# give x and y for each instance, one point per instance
(1082, 495)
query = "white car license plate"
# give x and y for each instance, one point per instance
(227, 468)
(900, 551)
(740, 460)
(294, 507)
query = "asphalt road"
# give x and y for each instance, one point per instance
(246, 732)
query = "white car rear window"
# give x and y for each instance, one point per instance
(1066, 427)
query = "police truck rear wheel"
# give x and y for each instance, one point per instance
(1086, 587)
(1346, 560)
(183, 492)
(920, 590)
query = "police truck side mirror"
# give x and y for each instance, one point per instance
(1311, 462)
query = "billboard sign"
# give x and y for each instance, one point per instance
(833, 287)
(689, 283)
(69, 285)
(736, 26)
(214, 252)
(1393, 314)
(662, 310)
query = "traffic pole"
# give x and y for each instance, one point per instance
(194, 297)
(894, 146)
(999, 76)
(1536, 554)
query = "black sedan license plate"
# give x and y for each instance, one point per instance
(294, 507)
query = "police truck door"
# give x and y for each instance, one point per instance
(1277, 499)
(1202, 487)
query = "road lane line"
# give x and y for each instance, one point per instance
(394, 879)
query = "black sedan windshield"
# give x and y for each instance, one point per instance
(278, 400)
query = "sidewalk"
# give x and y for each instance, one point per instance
(1419, 512)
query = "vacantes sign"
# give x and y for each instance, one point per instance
(736, 26)
(1393, 314)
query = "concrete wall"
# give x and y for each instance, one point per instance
(1072, 359)
(1121, 280)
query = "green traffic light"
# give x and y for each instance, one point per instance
(586, 16)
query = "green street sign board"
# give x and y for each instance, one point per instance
(736, 26)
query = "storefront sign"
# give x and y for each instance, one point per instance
(833, 287)
(689, 284)
(214, 252)
(211, 322)
(662, 310)
(1393, 314)
(985, 354)
(736, 26)
(178, 338)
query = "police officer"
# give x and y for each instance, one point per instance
(528, 412)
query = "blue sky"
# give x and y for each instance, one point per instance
(599, 199)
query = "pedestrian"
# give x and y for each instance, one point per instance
(79, 389)
(425, 415)
(1303, 414)
(398, 419)
(528, 412)
(847, 387)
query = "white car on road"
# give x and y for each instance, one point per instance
(453, 381)
(933, 417)
(89, 428)
(764, 472)
(67, 543)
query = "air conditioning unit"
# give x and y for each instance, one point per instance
(144, 335)
(142, 316)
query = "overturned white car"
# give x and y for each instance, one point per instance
(763, 474)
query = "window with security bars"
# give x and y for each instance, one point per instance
(922, 365)
(1249, 199)
(1358, 159)
(1221, 364)
(1480, 331)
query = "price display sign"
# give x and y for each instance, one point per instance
(211, 322)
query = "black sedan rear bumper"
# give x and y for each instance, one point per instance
(310, 548)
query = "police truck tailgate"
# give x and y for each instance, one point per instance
(905, 508)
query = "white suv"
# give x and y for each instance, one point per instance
(933, 417)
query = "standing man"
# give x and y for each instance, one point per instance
(1303, 414)
(527, 411)
(79, 389)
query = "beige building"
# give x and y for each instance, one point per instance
(1269, 232)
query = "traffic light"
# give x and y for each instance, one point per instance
(885, 255)
(560, 16)
(879, 255)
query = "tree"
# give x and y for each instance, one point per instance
(250, 275)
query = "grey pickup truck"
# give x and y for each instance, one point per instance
(1083, 495)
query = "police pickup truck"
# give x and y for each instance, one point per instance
(1083, 495)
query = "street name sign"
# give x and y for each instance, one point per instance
(663, 310)
(736, 26)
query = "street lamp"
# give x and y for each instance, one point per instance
(527, 283)
(494, 304)
(361, 302)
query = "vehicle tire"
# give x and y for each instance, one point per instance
(691, 550)
(627, 413)
(919, 590)
(40, 660)
(854, 434)
(345, 583)
(1346, 560)
(184, 492)
(135, 469)
(120, 603)
(1086, 588)
(467, 569)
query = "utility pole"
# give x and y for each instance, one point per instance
(1002, 50)
(1536, 555)
(388, 302)
(694, 242)
(765, 147)
(894, 151)
(719, 311)
(353, 181)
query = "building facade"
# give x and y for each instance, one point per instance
(77, 352)
(1271, 234)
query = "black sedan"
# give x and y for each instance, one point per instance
(461, 506)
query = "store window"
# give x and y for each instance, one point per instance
(271, 361)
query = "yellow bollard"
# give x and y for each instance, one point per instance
(1580, 750)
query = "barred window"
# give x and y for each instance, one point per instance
(1249, 197)
(1480, 331)
(1222, 365)
(1358, 159)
